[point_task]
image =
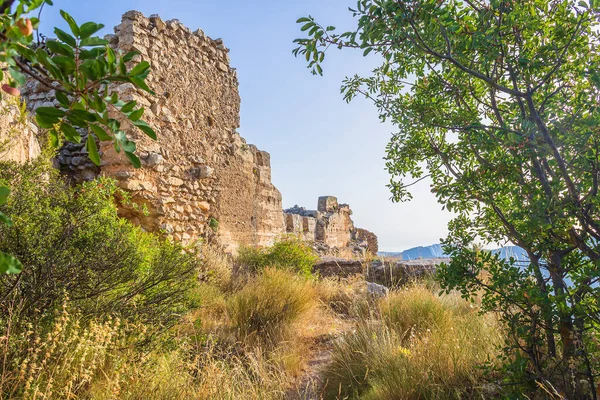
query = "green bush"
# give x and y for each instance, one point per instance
(266, 307)
(289, 252)
(71, 240)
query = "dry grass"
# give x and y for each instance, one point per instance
(252, 337)
(424, 347)
(263, 311)
(63, 362)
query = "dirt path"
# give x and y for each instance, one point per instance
(310, 385)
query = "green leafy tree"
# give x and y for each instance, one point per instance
(78, 67)
(496, 102)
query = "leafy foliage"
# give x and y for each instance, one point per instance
(71, 240)
(79, 67)
(496, 104)
(289, 252)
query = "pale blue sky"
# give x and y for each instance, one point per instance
(319, 145)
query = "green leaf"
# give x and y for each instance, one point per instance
(146, 129)
(141, 84)
(124, 142)
(129, 56)
(70, 133)
(133, 159)
(307, 26)
(65, 37)
(17, 76)
(54, 138)
(4, 193)
(62, 99)
(25, 52)
(110, 56)
(88, 29)
(9, 265)
(4, 219)
(81, 117)
(71, 22)
(129, 106)
(140, 69)
(46, 117)
(303, 19)
(93, 41)
(136, 115)
(60, 48)
(100, 133)
(90, 145)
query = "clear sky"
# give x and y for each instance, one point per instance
(319, 145)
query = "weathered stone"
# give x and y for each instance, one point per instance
(204, 205)
(368, 240)
(174, 181)
(158, 23)
(398, 273)
(331, 266)
(122, 175)
(376, 290)
(327, 204)
(153, 159)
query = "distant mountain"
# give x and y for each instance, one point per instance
(435, 251)
(421, 252)
(515, 252)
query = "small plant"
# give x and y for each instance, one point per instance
(213, 224)
(289, 252)
(62, 362)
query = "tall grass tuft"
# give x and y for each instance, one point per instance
(60, 363)
(269, 304)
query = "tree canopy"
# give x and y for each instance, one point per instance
(496, 102)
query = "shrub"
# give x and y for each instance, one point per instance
(289, 252)
(72, 240)
(440, 359)
(216, 267)
(251, 259)
(269, 304)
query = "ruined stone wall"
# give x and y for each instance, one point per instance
(331, 228)
(200, 172)
(200, 179)
(367, 239)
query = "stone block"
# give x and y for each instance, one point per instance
(327, 204)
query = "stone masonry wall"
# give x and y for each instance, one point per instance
(200, 170)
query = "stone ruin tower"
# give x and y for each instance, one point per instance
(199, 172)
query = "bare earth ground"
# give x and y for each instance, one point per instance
(310, 383)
